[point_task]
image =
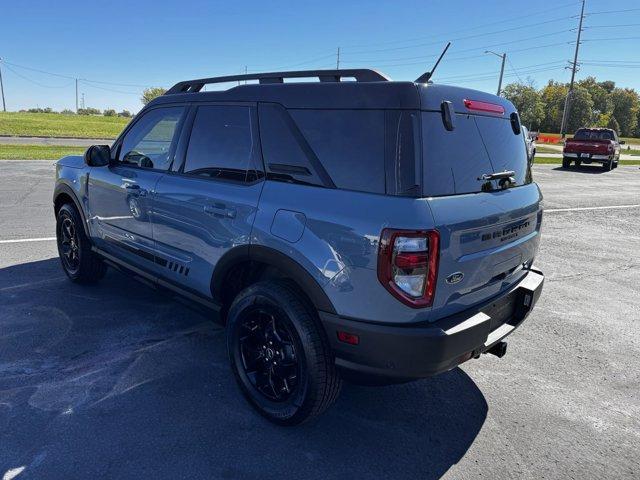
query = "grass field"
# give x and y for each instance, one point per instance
(57, 125)
(37, 152)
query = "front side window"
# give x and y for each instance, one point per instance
(148, 143)
(221, 143)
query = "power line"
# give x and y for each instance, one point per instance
(424, 57)
(446, 34)
(612, 11)
(34, 81)
(462, 38)
(74, 77)
(613, 26)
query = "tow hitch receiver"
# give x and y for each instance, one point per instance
(499, 349)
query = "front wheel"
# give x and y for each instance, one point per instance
(74, 248)
(566, 162)
(279, 355)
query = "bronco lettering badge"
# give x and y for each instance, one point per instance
(455, 278)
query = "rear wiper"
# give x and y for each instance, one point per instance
(506, 179)
(498, 175)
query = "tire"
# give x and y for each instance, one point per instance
(78, 261)
(290, 378)
(566, 162)
(607, 167)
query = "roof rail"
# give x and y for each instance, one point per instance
(360, 74)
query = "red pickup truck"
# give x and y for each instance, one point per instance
(592, 145)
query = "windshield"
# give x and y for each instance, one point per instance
(455, 160)
(593, 135)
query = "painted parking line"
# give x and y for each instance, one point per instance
(579, 209)
(26, 240)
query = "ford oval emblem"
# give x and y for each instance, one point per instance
(455, 278)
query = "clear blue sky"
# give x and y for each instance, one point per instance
(157, 43)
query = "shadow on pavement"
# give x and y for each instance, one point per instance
(119, 381)
(593, 168)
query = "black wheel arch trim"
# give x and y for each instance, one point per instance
(275, 258)
(62, 188)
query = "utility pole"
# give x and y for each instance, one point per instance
(76, 95)
(338, 60)
(574, 66)
(82, 103)
(504, 58)
(4, 106)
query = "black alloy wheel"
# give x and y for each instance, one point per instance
(68, 243)
(268, 354)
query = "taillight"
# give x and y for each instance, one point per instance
(610, 148)
(408, 265)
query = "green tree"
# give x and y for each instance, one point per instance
(528, 102)
(581, 112)
(109, 112)
(613, 124)
(124, 113)
(149, 94)
(602, 103)
(625, 108)
(553, 96)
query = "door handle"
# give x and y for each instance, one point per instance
(220, 210)
(136, 189)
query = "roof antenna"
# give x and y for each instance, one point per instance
(425, 77)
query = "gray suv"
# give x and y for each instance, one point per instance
(349, 228)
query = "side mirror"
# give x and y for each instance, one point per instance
(97, 155)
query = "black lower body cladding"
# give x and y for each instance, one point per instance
(393, 354)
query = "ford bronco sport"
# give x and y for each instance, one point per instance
(350, 228)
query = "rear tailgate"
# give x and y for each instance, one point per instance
(591, 147)
(487, 236)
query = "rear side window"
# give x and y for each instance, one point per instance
(221, 143)
(349, 144)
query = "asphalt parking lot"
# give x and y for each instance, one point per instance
(119, 381)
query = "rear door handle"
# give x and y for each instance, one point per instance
(133, 188)
(220, 210)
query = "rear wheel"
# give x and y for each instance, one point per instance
(279, 355)
(74, 248)
(566, 162)
(608, 166)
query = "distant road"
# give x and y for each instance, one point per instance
(74, 142)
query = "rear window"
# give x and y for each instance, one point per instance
(593, 135)
(455, 160)
(349, 144)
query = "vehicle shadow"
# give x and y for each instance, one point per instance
(594, 168)
(118, 380)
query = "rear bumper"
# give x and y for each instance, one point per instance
(588, 157)
(390, 354)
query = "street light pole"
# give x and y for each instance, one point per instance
(504, 58)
